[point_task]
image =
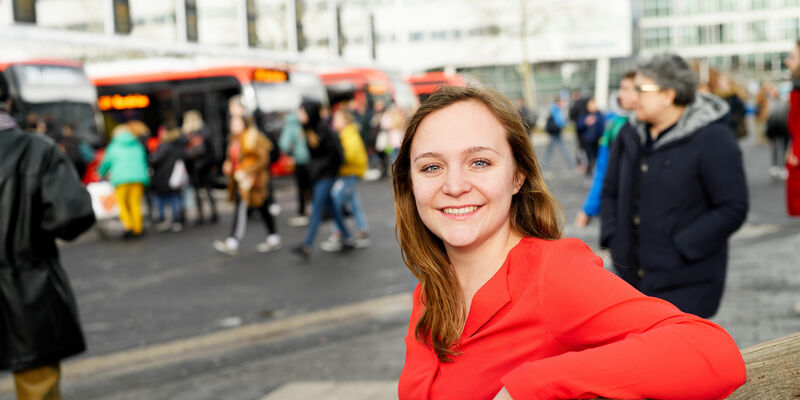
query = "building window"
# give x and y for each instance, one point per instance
(439, 35)
(729, 5)
(758, 4)
(788, 29)
(757, 31)
(657, 8)
(791, 3)
(655, 38)
(690, 35)
(415, 36)
(78, 15)
(725, 33)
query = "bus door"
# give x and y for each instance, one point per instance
(210, 97)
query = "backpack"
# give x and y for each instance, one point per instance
(551, 126)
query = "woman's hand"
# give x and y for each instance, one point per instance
(227, 168)
(503, 395)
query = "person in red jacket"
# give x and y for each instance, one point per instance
(793, 155)
(504, 308)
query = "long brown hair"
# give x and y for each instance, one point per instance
(534, 213)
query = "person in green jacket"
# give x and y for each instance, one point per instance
(293, 142)
(626, 101)
(125, 163)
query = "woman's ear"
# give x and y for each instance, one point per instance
(519, 180)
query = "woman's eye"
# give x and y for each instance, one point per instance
(481, 163)
(431, 168)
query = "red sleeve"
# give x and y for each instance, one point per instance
(622, 344)
(794, 120)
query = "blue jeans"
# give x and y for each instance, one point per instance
(175, 200)
(321, 202)
(346, 193)
(557, 141)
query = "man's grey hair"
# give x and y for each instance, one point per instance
(670, 71)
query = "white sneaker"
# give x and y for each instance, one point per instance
(332, 244)
(361, 240)
(230, 246)
(297, 221)
(272, 243)
(274, 209)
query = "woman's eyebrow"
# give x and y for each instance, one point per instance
(467, 151)
(478, 149)
(428, 155)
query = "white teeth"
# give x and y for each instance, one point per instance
(459, 211)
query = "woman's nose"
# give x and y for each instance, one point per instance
(456, 183)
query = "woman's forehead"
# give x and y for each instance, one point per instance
(459, 126)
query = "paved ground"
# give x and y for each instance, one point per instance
(170, 287)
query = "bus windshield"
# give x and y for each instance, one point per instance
(276, 97)
(59, 94)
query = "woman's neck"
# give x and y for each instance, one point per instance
(475, 265)
(670, 116)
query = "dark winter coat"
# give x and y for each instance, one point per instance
(326, 153)
(163, 162)
(667, 215)
(41, 199)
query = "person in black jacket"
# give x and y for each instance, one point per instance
(326, 158)
(674, 190)
(167, 189)
(41, 198)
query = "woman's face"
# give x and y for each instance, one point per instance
(463, 174)
(237, 125)
(792, 61)
(652, 100)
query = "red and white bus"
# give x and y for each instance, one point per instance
(424, 84)
(159, 95)
(58, 92)
(366, 85)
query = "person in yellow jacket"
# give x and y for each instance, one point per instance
(344, 192)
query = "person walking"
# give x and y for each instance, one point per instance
(624, 101)
(246, 168)
(125, 163)
(792, 61)
(326, 158)
(42, 200)
(505, 308)
(793, 154)
(199, 160)
(344, 192)
(675, 190)
(293, 141)
(554, 126)
(590, 127)
(170, 177)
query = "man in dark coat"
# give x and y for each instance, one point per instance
(674, 191)
(41, 199)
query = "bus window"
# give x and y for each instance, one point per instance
(60, 93)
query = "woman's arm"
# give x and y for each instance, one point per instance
(619, 343)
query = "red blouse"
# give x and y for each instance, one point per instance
(553, 324)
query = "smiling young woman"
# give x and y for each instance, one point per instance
(503, 308)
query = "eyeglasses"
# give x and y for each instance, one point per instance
(648, 87)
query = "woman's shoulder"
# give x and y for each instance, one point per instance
(546, 252)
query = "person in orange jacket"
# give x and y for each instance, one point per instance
(505, 308)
